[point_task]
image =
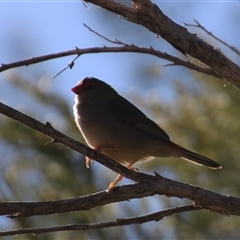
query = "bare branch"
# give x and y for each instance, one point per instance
(125, 48)
(118, 222)
(48, 130)
(147, 14)
(198, 25)
(101, 36)
(70, 66)
(148, 185)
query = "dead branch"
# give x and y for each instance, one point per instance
(157, 216)
(57, 136)
(149, 15)
(151, 185)
(125, 48)
(147, 185)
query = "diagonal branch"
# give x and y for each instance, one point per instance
(48, 130)
(118, 222)
(147, 14)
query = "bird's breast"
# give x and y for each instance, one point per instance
(100, 128)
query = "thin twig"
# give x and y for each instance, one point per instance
(125, 48)
(70, 66)
(101, 36)
(118, 222)
(198, 25)
(115, 41)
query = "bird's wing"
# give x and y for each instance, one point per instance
(130, 115)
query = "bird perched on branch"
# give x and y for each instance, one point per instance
(113, 126)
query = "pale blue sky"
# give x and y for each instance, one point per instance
(48, 27)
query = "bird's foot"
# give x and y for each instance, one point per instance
(119, 178)
(88, 162)
(113, 184)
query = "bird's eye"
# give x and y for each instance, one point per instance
(90, 86)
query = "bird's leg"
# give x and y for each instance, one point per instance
(120, 177)
(99, 149)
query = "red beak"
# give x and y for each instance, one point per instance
(77, 89)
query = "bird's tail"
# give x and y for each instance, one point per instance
(197, 158)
